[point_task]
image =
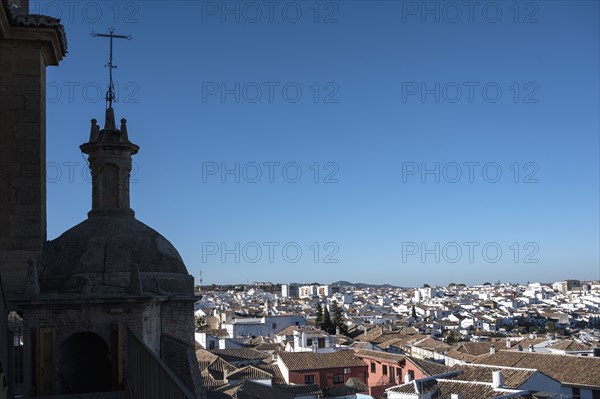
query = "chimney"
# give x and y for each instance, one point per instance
(455, 396)
(497, 379)
(508, 346)
(297, 339)
(492, 349)
(531, 348)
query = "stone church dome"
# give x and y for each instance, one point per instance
(112, 253)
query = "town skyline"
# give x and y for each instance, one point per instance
(436, 161)
(388, 285)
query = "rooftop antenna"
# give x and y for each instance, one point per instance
(110, 94)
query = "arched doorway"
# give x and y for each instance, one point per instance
(83, 364)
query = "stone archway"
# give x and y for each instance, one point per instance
(83, 364)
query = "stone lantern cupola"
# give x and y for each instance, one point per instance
(112, 254)
(110, 154)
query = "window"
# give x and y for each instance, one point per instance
(274, 326)
(373, 367)
(321, 342)
(576, 393)
(309, 379)
(595, 394)
(309, 342)
(338, 378)
(411, 375)
(19, 354)
(384, 368)
(211, 345)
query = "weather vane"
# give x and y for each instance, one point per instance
(110, 94)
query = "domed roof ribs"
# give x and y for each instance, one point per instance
(135, 282)
(32, 288)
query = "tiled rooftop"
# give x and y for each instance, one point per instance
(300, 361)
(581, 371)
(513, 377)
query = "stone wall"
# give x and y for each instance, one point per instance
(96, 318)
(72, 318)
(22, 162)
(178, 321)
(25, 52)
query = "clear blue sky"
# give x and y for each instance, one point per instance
(388, 89)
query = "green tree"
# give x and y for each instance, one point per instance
(319, 314)
(338, 318)
(327, 324)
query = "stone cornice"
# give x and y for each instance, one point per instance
(46, 38)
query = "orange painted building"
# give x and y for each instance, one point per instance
(389, 369)
(328, 370)
(384, 369)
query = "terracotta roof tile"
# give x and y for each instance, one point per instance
(580, 371)
(273, 369)
(513, 377)
(299, 361)
(475, 348)
(443, 389)
(571, 345)
(380, 355)
(434, 344)
(428, 367)
(249, 373)
(240, 354)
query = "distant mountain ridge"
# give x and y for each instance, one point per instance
(343, 283)
(363, 285)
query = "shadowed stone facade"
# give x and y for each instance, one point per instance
(28, 44)
(109, 273)
(80, 295)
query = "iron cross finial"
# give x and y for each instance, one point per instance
(110, 94)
